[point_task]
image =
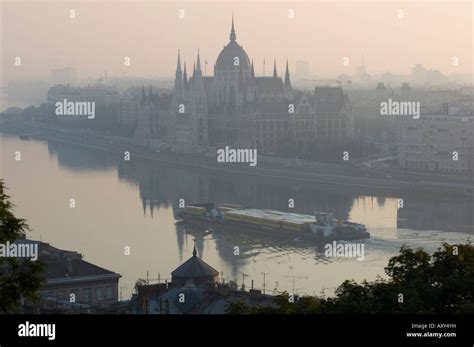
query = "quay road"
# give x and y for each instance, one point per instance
(344, 176)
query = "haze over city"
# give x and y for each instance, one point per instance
(311, 158)
(322, 33)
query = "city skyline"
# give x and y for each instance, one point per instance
(151, 53)
(229, 158)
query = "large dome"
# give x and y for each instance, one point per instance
(232, 57)
(227, 57)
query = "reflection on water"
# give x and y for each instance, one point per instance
(134, 204)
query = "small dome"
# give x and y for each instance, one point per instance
(194, 269)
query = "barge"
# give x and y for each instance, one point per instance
(318, 227)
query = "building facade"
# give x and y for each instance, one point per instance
(152, 118)
(103, 95)
(194, 289)
(442, 142)
(237, 108)
(70, 278)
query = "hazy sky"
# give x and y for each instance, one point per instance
(150, 33)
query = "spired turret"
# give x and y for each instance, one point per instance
(251, 85)
(232, 73)
(195, 271)
(198, 72)
(232, 36)
(185, 77)
(287, 83)
(232, 57)
(287, 76)
(178, 82)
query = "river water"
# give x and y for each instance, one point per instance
(120, 204)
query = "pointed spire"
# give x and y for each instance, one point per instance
(287, 75)
(252, 72)
(179, 75)
(178, 65)
(275, 69)
(194, 250)
(232, 30)
(185, 74)
(198, 66)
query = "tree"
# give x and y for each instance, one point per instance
(416, 283)
(20, 279)
(453, 278)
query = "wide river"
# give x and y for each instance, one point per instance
(120, 204)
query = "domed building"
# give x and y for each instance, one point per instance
(238, 109)
(232, 59)
(232, 71)
(194, 272)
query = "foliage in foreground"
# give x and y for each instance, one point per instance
(417, 283)
(20, 279)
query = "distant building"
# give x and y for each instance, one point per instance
(371, 126)
(422, 76)
(107, 102)
(368, 123)
(128, 114)
(434, 77)
(152, 118)
(442, 142)
(104, 95)
(418, 74)
(361, 73)
(405, 92)
(334, 112)
(239, 109)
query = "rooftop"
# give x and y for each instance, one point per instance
(194, 267)
(63, 264)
